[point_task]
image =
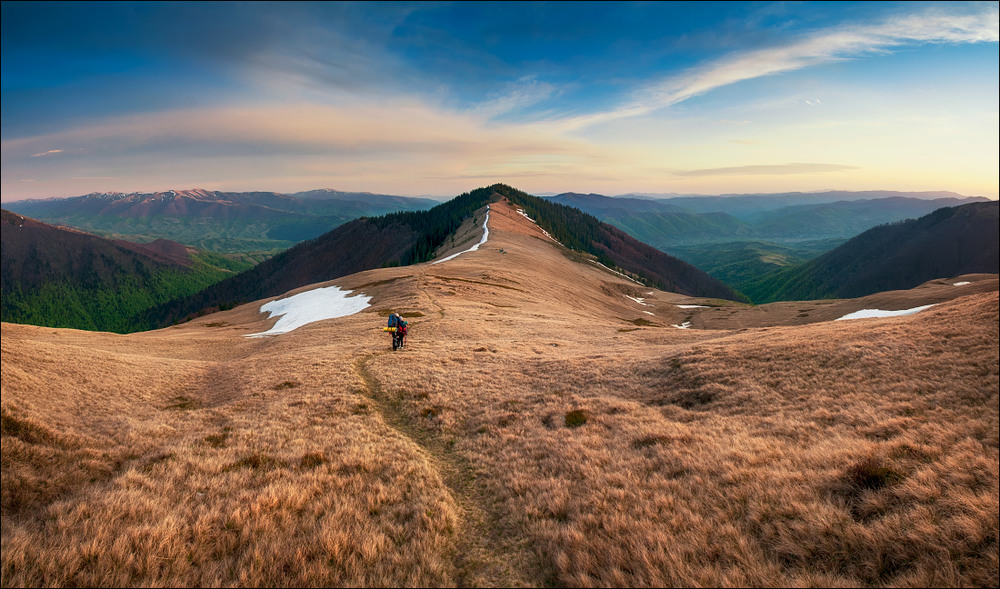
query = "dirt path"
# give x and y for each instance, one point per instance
(423, 290)
(486, 553)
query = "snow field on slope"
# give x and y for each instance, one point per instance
(311, 306)
(875, 313)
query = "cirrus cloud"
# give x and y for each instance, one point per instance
(812, 49)
(768, 170)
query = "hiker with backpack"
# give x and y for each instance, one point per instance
(397, 326)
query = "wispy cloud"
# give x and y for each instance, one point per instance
(523, 94)
(387, 129)
(767, 170)
(312, 143)
(835, 44)
(49, 152)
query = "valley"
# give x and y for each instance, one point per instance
(62, 277)
(545, 425)
(758, 244)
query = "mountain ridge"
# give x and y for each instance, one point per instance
(406, 238)
(946, 242)
(216, 220)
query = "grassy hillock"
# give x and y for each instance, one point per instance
(539, 429)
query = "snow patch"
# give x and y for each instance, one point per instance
(650, 313)
(963, 283)
(873, 313)
(629, 278)
(311, 306)
(692, 306)
(685, 325)
(638, 300)
(525, 215)
(486, 234)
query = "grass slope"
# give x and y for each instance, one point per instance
(531, 433)
(742, 262)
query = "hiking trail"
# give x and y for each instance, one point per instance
(485, 553)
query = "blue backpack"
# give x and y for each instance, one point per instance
(394, 320)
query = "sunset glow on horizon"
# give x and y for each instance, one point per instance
(432, 99)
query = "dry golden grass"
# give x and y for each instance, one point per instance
(533, 432)
(169, 471)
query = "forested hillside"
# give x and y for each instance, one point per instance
(776, 219)
(948, 242)
(65, 278)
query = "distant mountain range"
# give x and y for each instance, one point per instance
(684, 221)
(412, 237)
(214, 220)
(62, 277)
(739, 204)
(947, 242)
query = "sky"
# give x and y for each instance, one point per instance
(441, 98)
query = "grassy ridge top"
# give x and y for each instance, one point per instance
(411, 237)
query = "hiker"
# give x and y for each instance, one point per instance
(397, 326)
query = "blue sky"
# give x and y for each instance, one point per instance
(440, 98)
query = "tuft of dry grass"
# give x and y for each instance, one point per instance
(577, 417)
(871, 474)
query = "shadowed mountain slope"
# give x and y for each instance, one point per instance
(414, 237)
(66, 278)
(948, 242)
(545, 425)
